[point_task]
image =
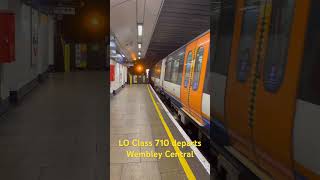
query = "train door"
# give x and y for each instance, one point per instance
(221, 56)
(276, 86)
(238, 92)
(186, 77)
(198, 76)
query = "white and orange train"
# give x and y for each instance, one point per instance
(181, 77)
(264, 84)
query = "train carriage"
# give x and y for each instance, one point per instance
(182, 79)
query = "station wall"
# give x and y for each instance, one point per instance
(3, 4)
(120, 72)
(27, 66)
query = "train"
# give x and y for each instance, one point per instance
(263, 118)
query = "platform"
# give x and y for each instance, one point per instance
(54, 132)
(134, 116)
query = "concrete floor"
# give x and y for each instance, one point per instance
(133, 116)
(58, 131)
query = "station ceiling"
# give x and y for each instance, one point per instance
(179, 22)
(55, 3)
(168, 24)
(125, 15)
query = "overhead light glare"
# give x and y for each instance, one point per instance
(139, 45)
(139, 57)
(139, 53)
(140, 29)
(123, 55)
(112, 44)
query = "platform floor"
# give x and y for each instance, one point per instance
(56, 132)
(133, 115)
(59, 132)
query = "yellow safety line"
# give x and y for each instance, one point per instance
(182, 160)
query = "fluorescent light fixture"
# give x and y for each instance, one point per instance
(139, 45)
(140, 29)
(123, 55)
(112, 44)
(139, 57)
(139, 53)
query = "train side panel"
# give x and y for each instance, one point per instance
(306, 145)
(205, 103)
(221, 62)
(186, 76)
(173, 75)
(276, 90)
(238, 92)
(156, 75)
(172, 90)
(163, 70)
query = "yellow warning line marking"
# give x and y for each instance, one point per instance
(182, 160)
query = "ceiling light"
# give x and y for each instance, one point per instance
(139, 57)
(123, 55)
(139, 45)
(112, 44)
(139, 53)
(140, 28)
(139, 68)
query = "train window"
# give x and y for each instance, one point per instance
(157, 70)
(247, 39)
(188, 68)
(167, 76)
(224, 39)
(309, 86)
(276, 58)
(175, 71)
(197, 68)
(180, 59)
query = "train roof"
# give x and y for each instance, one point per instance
(206, 32)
